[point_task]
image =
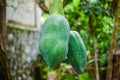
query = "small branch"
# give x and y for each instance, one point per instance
(94, 47)
(95, 56)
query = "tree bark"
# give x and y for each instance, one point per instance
(114, 42)
(4, 66)
(116, 63)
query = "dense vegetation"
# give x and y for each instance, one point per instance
(94, 21)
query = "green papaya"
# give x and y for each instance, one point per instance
(54, 38)
(77, 56)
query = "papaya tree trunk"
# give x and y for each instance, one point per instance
(114, 42)
(4, 66)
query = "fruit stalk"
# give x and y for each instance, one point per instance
(56, 7)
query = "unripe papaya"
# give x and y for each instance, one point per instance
(54, 38)
(77, 56)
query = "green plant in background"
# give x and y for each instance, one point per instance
(81, 14)
(88, 18)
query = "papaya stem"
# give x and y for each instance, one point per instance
(56, 7)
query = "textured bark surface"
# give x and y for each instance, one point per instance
(4, 66)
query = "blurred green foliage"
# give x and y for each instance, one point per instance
(78, 13)
(88, 17)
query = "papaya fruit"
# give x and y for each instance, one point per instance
(54, 38)
(77, 56)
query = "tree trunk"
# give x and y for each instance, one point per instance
(116, 65)
(4, 66)
(114, 41)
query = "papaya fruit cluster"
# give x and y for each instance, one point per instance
(57, 43)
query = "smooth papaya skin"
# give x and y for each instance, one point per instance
(77, 55)
(54, 38)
